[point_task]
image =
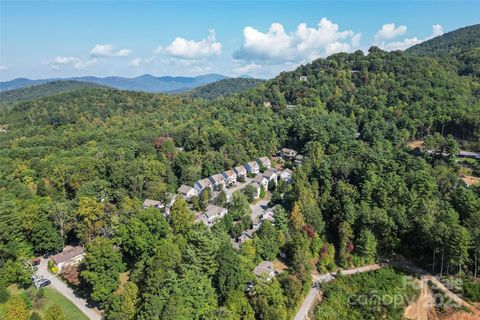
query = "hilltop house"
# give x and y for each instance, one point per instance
(69, 256)
(214, 213)
(252, 167)
(288, 154)
(265, 269)
(240, 171)
(265, 162)
(218, 181)
(230, 177)
(303, 78)
(261, 180)
(200, 185)
(187, 192)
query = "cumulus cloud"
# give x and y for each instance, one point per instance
(390, 31)
(305, 43)
(135, 62)
(437, 30)
(60, 62)
(246, 69)
(107, 50)
(190, 49)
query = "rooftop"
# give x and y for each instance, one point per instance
(185, 189)
(213, 210)
(68, 253)
(265, 267)
(151, 203)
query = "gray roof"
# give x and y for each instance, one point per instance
(240, 169)
(213, 210)
(67, 254)
(252, 164)
(205, 182)
(259, 178)
(265, 267)
(269, 173)
(263, 160)
(151, 203)
(229, 173)
(287, 150)
(217, 178)
(185, 189)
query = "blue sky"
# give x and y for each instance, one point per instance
(261, 38)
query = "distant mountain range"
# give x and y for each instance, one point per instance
(147, 82)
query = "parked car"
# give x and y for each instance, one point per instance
(44, 283)
(36, 261)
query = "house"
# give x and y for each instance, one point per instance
(69, 256)
(187, 192)
(298, 160)
(261, 180)
(271, 175)
(286, 175)
(303, 78)
(252, 167)
(468, 154)
(230, 177)
(257, 222)
(152, 203)
(200, 185)
(265, 269)
(288, 154)
(214, 213)
(268, 215)
(240, 171)
(218, 181)
(265, 162)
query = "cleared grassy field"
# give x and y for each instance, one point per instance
(51, 297)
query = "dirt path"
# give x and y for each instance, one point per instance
(424, 307)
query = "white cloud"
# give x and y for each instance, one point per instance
(305, 43)
(158, 50)
(390, 31)
(406, 43)
(107, 50)
(246, 69)
(189, 49)
(135, 62)
(2, 67)
(60, 62)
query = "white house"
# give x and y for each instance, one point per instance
(214, 213)
(69, 256)
(271, 175)
(303, 78)
(261, 180)
(200, 185)
(187, 192)
(265, 162)
(265, 269)
(252, 167)
(218, 181)
(230, 177)
(286, 175)
(240, 171)
(288, 154)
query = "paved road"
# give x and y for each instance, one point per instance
(307, 303)
(67, 292)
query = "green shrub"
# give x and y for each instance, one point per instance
(4, 294)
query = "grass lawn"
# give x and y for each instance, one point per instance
(52, 297)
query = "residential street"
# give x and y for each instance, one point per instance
(67, 292)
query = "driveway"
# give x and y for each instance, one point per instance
(67, 292)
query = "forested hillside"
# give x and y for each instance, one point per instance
(459, 48)
(75, 168)
(224, 87)
(43, 90)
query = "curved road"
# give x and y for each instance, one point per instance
(67, 292)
